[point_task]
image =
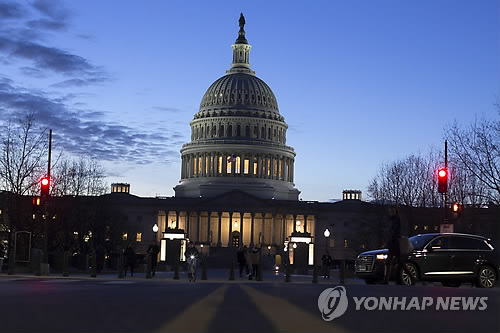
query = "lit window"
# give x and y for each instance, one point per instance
(206, 164)
(346, 243)
(426, 227)
(415, 227)
(245, 166)
(435, 228)
(269, 165)
(194, 165)
(228, 167)
(199, 165)
(34, 216)
(275, 167)
(220, 164)
(255, 166)
(280, 171)
(124, 236)
(138, 238)
(237, 166)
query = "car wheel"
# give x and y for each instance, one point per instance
(486, 277)
(370, 281)
(454, 284)
(404, 278)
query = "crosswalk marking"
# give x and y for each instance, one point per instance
(198, 316)
(288, 317)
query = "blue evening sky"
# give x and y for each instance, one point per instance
(360, 83)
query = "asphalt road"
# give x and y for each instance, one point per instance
(88, 305)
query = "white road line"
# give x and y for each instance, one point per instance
(198, 316)
(288, 317)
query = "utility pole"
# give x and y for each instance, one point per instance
(447, 176)
(44, 266)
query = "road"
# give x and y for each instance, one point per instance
(53, 304)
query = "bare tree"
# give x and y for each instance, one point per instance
(476, 149)
(409, 181)
(78, 177)
(23, 156)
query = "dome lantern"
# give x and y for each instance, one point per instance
(241, 52)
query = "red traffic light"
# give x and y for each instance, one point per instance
(443, 180)
(44, 187)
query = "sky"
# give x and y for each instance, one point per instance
(360, 83)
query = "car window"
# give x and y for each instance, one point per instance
(419, 241)
(467, 243)
(440, 243)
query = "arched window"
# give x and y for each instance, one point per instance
(202, 135)
(263, 133)
(196, 133)
(238, 131)
(255, 132)
(208, 131)
(247, 131)
(221, 131)
(269, 133)
(230, 130)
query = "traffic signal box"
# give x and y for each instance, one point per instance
(442, 180)
(44, 188)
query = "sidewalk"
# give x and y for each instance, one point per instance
(213, 276)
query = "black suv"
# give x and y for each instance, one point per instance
(449, 258)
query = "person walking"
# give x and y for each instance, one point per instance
(242, 260)
(395, 260)
(130, 258)
(153, 251)
(255, 257)
(327, 262)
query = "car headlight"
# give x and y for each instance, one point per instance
(381, 256)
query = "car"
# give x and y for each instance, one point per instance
(449, 258)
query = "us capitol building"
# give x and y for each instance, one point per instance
(237, 179)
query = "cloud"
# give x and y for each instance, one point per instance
(33, 72)
(167, 109)
(47, 24)
(11, 10)
(81, 82)
(88, 132)
(51, 8)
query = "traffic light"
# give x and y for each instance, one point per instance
(443, 180)
(44, 187)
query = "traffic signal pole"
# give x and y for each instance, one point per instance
(447, 175)
(44, 269)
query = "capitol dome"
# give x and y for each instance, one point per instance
(238, 137)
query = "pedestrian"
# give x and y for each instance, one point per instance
(2, 253)
(327, 262)
(395, 261)
(255, 257)
(242, 260)
(130, 258)
(153, 251)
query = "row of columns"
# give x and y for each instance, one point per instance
(214, 164)
(272, 133)
(240, 219)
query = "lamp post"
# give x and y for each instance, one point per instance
(327, 234)
(155, 229)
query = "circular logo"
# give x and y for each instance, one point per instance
(332, 303)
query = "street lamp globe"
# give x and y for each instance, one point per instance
(327, 233)
(155, 228)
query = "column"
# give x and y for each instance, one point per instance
(224, 164)
(305, 223)
(273, 160)
(203, 164)
(272, 228)
(216, 164)
(219, 243)
(198, 231)
(230, 242)
(241, 229)
(259, 166)
(232, 164)
(252, 229)
(176, 220)
(283, 218)
(264, 169)
(208, 229)
(242, 164)
(294, 223)
(188, 222)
